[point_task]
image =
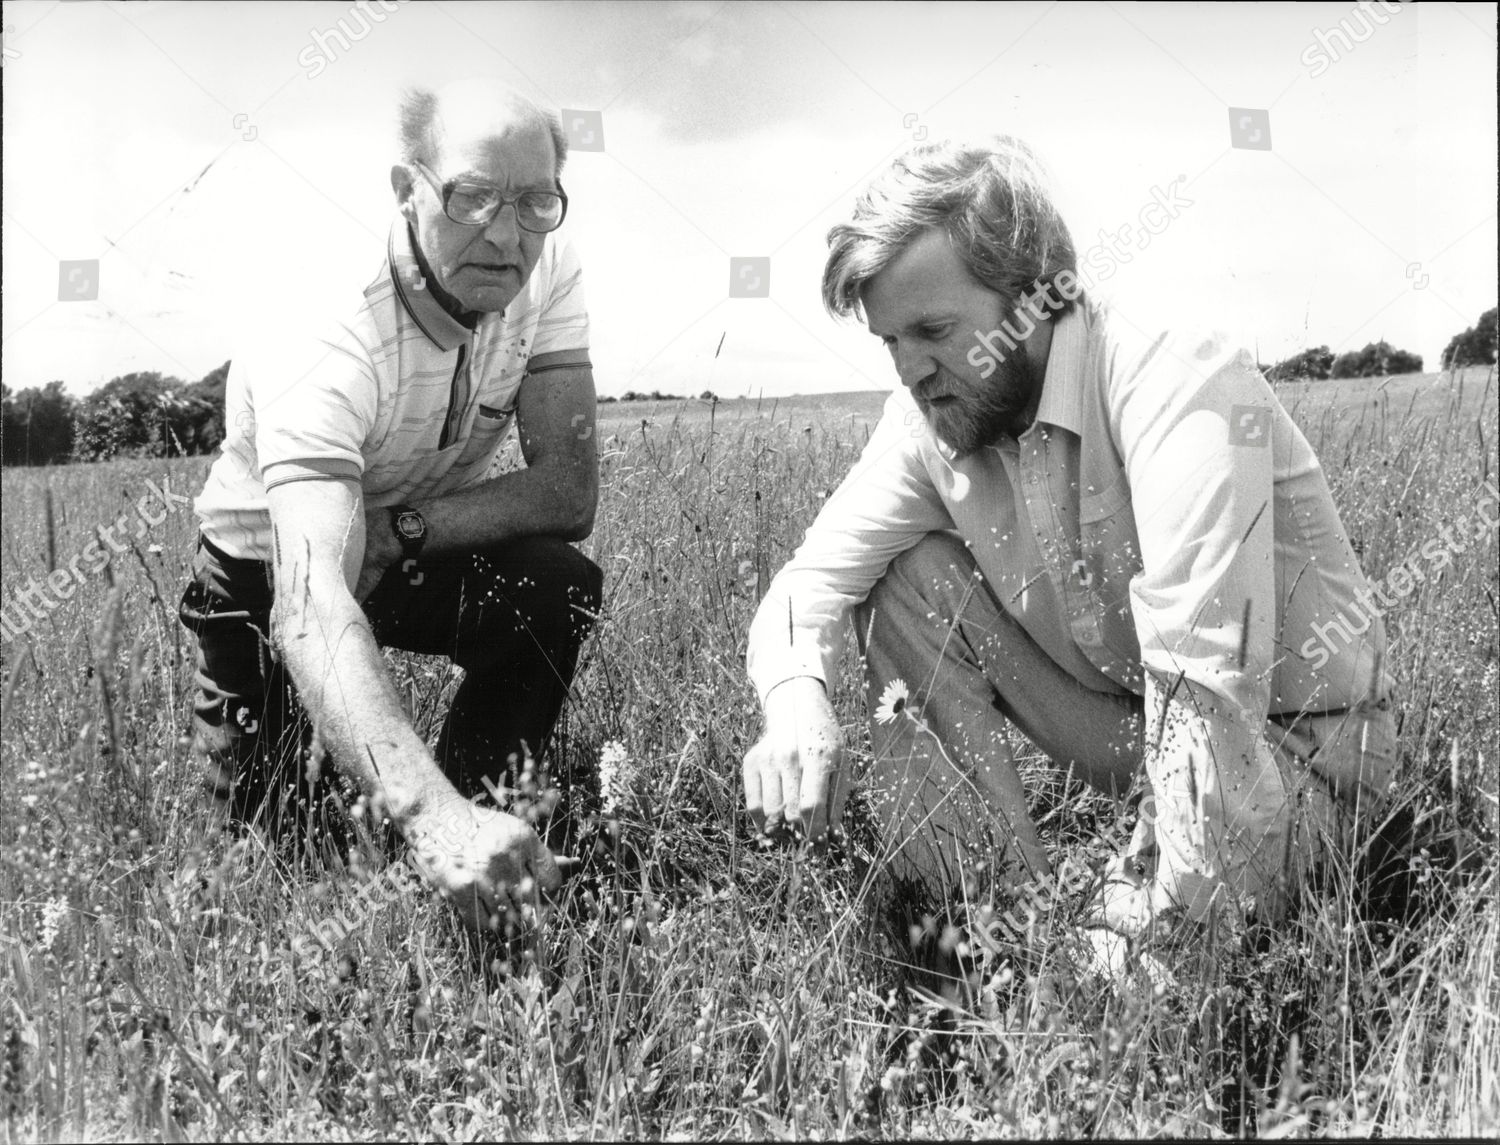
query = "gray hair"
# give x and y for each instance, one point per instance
(990, 197)
(419, 110)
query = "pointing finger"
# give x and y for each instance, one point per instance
(771, 799)
(813, 797)
(838, 796)
(753, 799)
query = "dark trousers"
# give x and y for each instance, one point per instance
(513, 617)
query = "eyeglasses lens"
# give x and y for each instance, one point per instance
(476, 205)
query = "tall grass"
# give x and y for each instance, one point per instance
(693, 982)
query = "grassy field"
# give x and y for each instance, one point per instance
(693, 983)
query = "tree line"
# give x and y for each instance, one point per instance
(1476, 346)
(143, 414)
(148, 414)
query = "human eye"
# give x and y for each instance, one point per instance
(935, 331)
(542, 205)
(471, 198)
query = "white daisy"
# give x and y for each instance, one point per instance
(892, 701)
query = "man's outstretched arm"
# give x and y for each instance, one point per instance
(483, 860)
(885, 505)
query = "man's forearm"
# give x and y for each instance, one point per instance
(538, 501)
(784, 645)
(342, 681)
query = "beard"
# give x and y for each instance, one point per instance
(980, 413)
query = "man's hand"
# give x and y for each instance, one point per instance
(382, 549)
(794, 774)
(490, 865)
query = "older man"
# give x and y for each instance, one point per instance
(352, 507)
(1116, 542)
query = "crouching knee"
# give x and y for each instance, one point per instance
(935, 573)
(566, 583)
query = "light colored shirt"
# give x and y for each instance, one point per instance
(392, 392)
(1163, 512)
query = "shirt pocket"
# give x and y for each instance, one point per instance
(1107, 539)
(485, 436)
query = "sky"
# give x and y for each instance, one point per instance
(177, 173)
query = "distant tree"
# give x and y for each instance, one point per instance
(1314, 363)
(709, 396)
(213, 384)
(128, 416)
(1378, 359)
(1476, 346)
(191, 424)
(147, 414)
(38, 426)
(197, 416)
(1404, 362)
(605, 399)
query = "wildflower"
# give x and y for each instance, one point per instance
(54, 911)
(893, 701)
(614, 775)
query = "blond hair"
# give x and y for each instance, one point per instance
(990, 197)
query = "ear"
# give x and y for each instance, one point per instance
(405, 188)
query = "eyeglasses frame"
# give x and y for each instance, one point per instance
(445, 193)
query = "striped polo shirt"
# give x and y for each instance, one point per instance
(397, 395)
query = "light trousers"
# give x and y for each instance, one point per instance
(946, 794)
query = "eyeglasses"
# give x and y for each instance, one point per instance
(476, 204)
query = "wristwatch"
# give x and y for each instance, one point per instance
(410, 528)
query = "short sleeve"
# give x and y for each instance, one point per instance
(312, 401)
(562, 330)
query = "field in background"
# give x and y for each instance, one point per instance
(694, 983)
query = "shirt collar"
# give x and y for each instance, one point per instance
(1063, 389)
(442, 329)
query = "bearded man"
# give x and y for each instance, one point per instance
(1116, 542)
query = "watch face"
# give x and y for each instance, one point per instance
(411, 526)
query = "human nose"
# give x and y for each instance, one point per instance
(504, 230)
(912, 366)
